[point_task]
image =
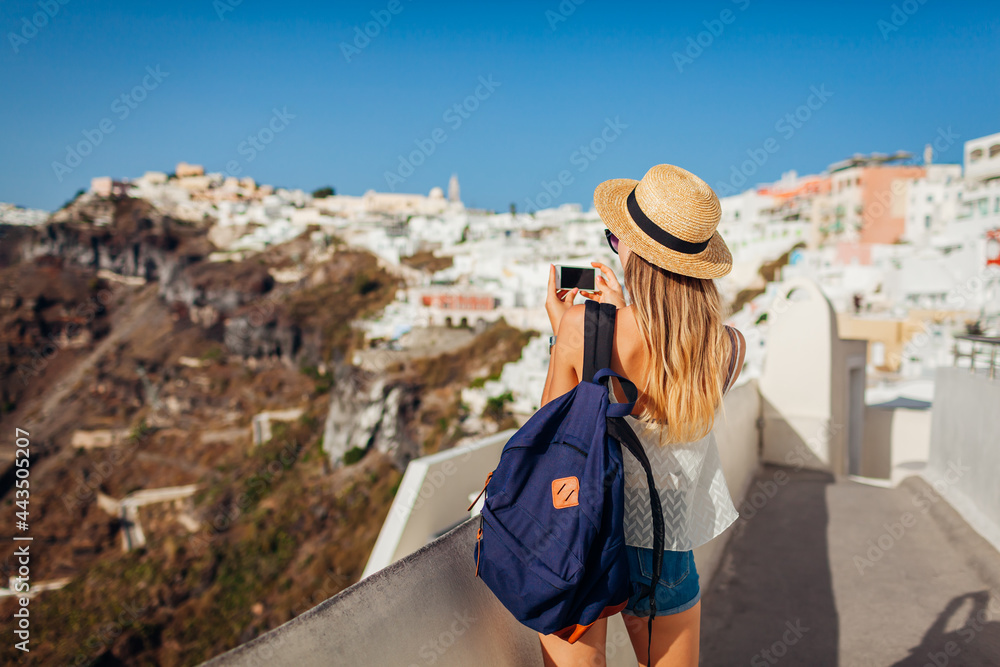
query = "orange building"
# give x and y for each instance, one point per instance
(459, 301)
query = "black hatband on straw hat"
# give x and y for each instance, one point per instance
(660, 235)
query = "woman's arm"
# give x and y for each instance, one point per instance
(566, 362)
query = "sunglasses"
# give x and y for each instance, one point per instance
(612, 240)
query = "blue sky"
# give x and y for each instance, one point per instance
(581, 92)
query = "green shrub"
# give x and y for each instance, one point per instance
(353, 455)
(213, 354)
(323, 381)
(496, 406)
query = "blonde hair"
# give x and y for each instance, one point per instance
(681, 322)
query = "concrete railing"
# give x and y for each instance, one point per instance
(428, 608)
(433, 497)
(965, 447)
(738, 437)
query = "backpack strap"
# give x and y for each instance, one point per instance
(735, 347)
(599, 329)
(598, 340)
(621, 431)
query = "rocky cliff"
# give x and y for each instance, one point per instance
(136, 363)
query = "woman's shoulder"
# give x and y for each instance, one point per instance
(572, 327)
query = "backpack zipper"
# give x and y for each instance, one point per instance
(478, 497)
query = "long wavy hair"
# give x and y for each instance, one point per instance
(687, 355)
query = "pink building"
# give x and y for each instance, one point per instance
(883, 201)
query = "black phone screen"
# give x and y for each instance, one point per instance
(577, 276)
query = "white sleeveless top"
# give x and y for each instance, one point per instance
(693, 492)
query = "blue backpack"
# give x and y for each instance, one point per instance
(551, 540)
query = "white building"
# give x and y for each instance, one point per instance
(16, 215)
(932, 203)
(982, 158)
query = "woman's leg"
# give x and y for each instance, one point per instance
(675, 638)
(587, 651)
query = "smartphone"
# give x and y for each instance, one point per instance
(568, 277)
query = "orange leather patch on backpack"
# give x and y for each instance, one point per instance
(565, 492)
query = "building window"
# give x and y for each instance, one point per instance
(927, 222)
(976, 155)
(994, 150)
(996, 205)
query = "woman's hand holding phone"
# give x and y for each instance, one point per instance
(558, 301)
(608, 287)
(555, 303)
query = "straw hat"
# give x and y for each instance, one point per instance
(669, 218)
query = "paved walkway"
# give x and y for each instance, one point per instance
(830, 571)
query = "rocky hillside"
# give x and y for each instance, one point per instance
(136, 363)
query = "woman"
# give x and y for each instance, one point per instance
(672, 344)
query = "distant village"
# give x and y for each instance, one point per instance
(906, 250)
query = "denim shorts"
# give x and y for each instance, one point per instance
(677, 589)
